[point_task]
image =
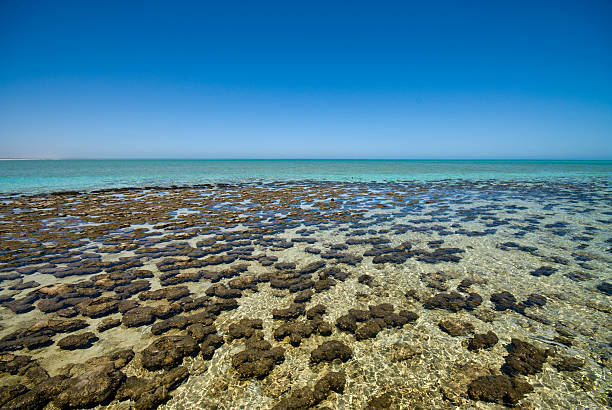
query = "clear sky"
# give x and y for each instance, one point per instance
(431, 79)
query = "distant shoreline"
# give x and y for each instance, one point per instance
(497, 160)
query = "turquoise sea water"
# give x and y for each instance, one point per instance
(37, 176)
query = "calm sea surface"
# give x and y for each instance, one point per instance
(48, 176)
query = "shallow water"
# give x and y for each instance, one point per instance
(503, 232)
(36, 176)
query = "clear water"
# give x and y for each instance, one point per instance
(48, 176)
(557, 224)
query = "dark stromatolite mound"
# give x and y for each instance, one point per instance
(139, 316)
(305, 398)
(544, 271)
(579, 276)
(294, 311)
(298, 330)
(230, 272)
(330, 350)
(7, 393)
(118, 359)
(605, 288)
(524, 358)
(336, 273)
(395, 258)
(303, 296)
(23, 305)
(176, 322)
(134, 287)
(369, 329)
(291, 280)
(219, 305)
(346, 323)
(95, 386)
(32, 399)
(14, 364)
(312, 267)
(365, 279)
(453, 301)
(168, 352)
(169, 293)
(178, 277)
(436, 280)
(257, 359)
(506, 301)
(498, 389)
(376, 318)
(439, 255)
(380, 402)
(568, 363)
(456, 327)
(316, 311)
(39, 334)
(534, 300)
(245, 328)
(148, 393)
(324, 282)
(127, 304)
(483, 341)
(221, 291)
(99, 307)
(210, 340)
(244, 282)
(285, 265)
(78, 341)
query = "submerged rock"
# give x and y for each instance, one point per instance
(453, 301)
(99, 307)
(330, 350)
(605, 288)
(257, 359)
(150, 393)
(483, 341)
(506, 301)
(568, 363)
(95, 386)
(292, 312)
(305, 398)
(456, 328)
(79, 341)
(245, 328)
(544, 271)
(168, 352)
(535, 299)
(139, 316)
(498, 389)
(382, 401)
(108, 323)
(524, 358)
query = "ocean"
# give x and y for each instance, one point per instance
(39, 176)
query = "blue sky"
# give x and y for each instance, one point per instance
(380, 79)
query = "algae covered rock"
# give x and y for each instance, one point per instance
(91, 388)
(501, 389)
(330, 350)
(168, 352)
(524, 358)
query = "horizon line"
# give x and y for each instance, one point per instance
(301, 159)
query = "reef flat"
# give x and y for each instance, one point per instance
(299, 294)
